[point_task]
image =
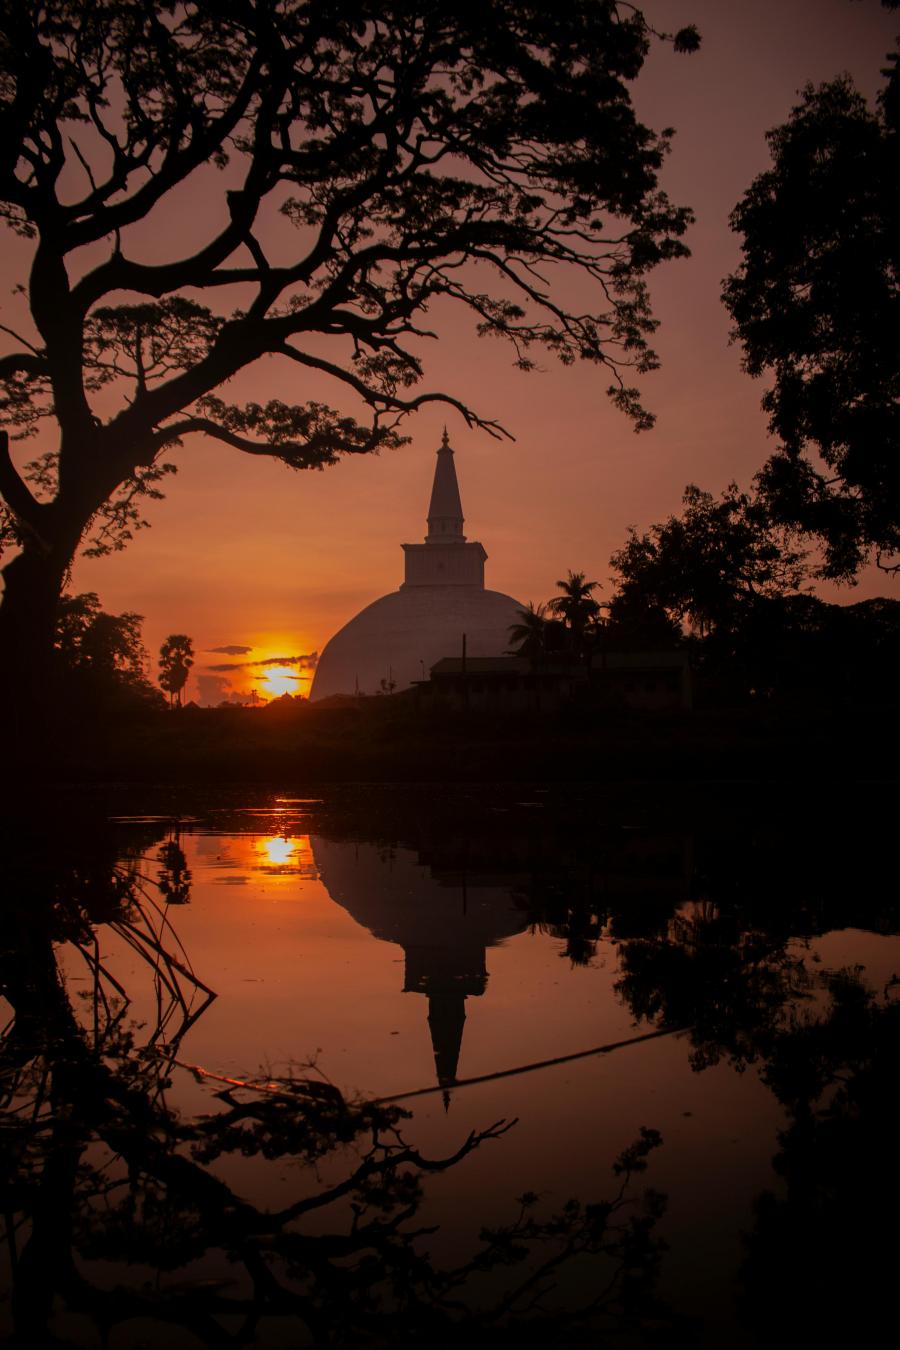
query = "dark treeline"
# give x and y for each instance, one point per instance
(780, 680)
(391, 740)
(789, 686)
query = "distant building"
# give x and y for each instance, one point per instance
(501, 684)
(396, 640)
(652, 680)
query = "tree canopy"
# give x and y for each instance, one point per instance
(816, 306)
(373, 161)
(565, 625)
(705, 566)
(89, 638)
(100, 658)
(575, 606)
(528, 637)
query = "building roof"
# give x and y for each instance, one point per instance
(678, 659)
(481, 665)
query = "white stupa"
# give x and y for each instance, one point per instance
(398, 638)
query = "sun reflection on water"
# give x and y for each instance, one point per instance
(279, 851)
(288, 856)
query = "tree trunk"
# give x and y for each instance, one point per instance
(32, 586)
(43, 1017)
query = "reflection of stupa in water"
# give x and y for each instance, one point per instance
(444, 928)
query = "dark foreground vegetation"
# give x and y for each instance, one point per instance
(788, 686)
(389, 740)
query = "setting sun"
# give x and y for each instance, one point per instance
(279, 680)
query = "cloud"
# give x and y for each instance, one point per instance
(231, 650)
(214, 689)
(304, 661)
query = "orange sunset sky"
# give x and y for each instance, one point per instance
(247, 553)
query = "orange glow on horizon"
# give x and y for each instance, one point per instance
(260, 666)
(280, 680)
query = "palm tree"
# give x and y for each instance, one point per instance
(576, 606)
(176, 656)
(528, 638)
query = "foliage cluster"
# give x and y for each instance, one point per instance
(704, 566)
(732, 579)
(100, 659)
(572, 625)
(727, 579)
(565, 625)
(816, 307)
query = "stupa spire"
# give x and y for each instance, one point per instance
(446, 558)
(446, 1020)
(445, 514)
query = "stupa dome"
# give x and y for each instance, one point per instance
(398, 638)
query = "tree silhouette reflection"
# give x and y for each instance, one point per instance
(125, 1216)
(821, 1255)
(732, 961)
(817, 1262)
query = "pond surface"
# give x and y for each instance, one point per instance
(202, 1001)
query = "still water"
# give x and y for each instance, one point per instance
(215, 1016)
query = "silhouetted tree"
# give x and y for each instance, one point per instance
(635, 623)
(88, 637)
(529, 637)
(708, 563)
(735, 976)
(576, 607)
(816, 306)
(100, 657)
(176, 656)
(818, 1263)
(419, 153)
